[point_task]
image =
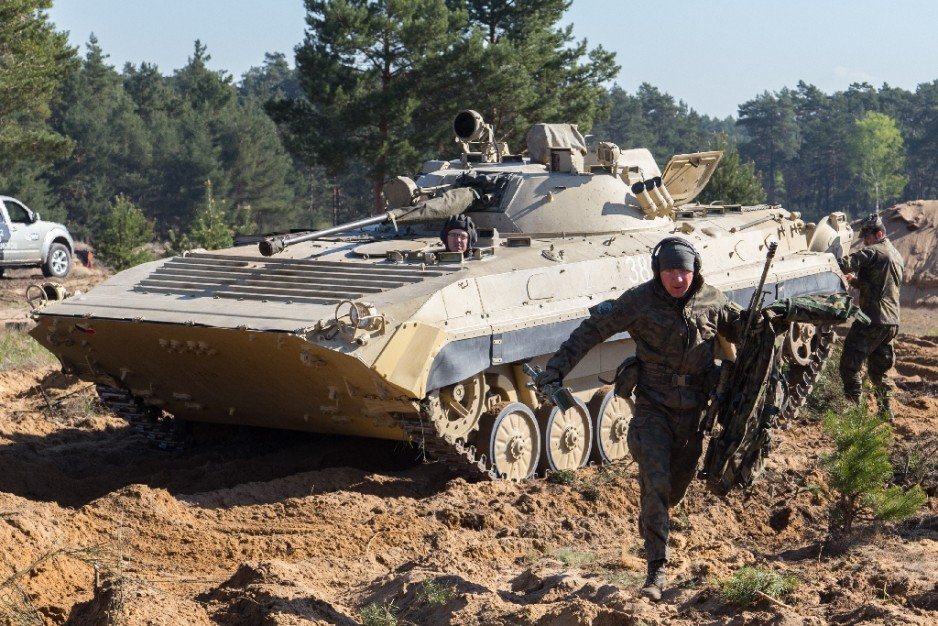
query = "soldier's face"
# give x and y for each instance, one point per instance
(677, 281)
(457, 240)
(871, 238)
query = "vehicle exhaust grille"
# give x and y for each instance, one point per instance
(286, 280)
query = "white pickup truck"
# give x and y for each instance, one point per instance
(26, 240)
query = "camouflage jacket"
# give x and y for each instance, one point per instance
(675, 339)
(878, 270)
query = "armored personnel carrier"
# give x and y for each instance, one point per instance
(374, 329)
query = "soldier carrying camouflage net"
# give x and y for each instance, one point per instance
(674, 319)
(876, 270)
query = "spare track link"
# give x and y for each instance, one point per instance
(798, 381)
(159, 430)
(801, 378)
(457, 455)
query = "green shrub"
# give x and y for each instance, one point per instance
(120, 233)
(378, 614)
(434, 592)
(745, 587)
(860, 469)
(562, 477)
(212, 226)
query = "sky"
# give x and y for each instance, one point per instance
(713, 54)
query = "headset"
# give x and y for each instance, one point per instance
(656, 264)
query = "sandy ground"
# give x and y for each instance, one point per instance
(254, 527)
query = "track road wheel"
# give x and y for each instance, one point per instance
(612, 416)
(511, 440)
(457, 408)
(798, 343)
(567, 437)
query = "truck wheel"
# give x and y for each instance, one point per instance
(58, 263)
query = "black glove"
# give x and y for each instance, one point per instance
(758, 323)
(545, 379)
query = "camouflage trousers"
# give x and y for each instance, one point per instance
(666, 445)
(870, 344)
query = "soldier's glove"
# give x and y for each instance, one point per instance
(758, 322)
(547, 381)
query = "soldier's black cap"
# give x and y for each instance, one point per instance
(461, 222)
(677, 257)
(871, 223)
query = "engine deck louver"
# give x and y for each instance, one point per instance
(286, 280)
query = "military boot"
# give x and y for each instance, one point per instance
(654, 583)
(884, 402)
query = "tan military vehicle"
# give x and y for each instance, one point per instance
(374, 329)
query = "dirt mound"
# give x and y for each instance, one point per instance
(913, 229)
(97, 527)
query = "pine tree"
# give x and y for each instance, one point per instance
(363, 70)
(209, 227)
(733, 182)
(120, 232)
(382, 79)
(34, 59)
(774, 139)
(860, 470)
(112, 154)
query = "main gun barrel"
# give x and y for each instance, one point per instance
(452, 202)
(273, 245)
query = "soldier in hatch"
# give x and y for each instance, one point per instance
(876, 270)
(674, 320)
(459, 234)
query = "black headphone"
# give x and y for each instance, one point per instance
(656, 264)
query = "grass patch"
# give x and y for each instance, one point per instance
(83, 406)
(680, 520)
(828, 389)
(918, 464)
(378, 614)
(574, 558)
(592, 485)
(750, 585)
(620, 577)
(435, 593)
(20, 351)
(562, 477)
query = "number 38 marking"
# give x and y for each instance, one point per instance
(639, 268)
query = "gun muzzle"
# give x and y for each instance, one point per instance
(272, 246)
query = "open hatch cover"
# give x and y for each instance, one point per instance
(686, 175)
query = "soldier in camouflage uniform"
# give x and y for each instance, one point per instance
(674, 320)
(876, 270)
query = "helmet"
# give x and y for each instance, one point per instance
(462, 222)
(670, 242)
(870, 224)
